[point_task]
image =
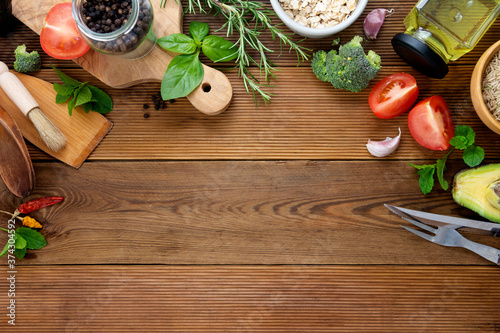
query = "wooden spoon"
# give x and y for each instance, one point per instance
(16, 168)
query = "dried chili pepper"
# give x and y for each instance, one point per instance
(31, 222)
(36, 204)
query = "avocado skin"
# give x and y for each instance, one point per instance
(469, 190)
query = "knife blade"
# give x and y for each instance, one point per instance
(438, 220)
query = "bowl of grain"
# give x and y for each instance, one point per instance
(485, 87)
(318, 18)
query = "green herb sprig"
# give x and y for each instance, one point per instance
(90, 98)
(472, 155)
(23, 239)
(248, 20)
(185, 72)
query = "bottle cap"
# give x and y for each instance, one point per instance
(419, 56)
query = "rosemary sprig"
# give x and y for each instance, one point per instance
(248, 20)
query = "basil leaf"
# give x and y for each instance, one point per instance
(218, 49)
(34, 239)
(69, 81)
(178, 43)
(198, 30)
(103, 102)
(20, 253)
(473, 155)
(426, 180)
(84, 96)
(184, 73)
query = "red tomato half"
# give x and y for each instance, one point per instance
(60, 37)
(393, 95)
(430, 123)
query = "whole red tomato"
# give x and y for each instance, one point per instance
(393, 95)
(430, 123)
(60, 37)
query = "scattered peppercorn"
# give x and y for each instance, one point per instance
(145, 106)
(146, 115)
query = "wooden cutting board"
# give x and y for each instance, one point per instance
(211, 97)
(83, 130)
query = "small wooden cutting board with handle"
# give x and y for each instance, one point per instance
(211, 97)
(83, 130)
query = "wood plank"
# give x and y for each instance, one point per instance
(255, 299)
(307, 119)
(296, 212)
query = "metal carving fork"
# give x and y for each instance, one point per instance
(447, 235)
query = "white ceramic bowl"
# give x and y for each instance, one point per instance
(317, 33)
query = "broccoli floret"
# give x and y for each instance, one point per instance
(26, 62)
(350, 68)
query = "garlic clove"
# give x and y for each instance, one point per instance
(374, 21)
(385, 147)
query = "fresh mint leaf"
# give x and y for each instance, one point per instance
(466, 132)
(71, 105)
(473, 155)
(424, 166)
(87, 107)
(459, 142)
(34, 239)
(198, 30)
(103, 103)
(426, 180)
(62, 89)
(60, 99)
(440, 168)
(69, 81)
(20, 253)
(184, 73)
(84, 96)
(178, 43)
(20, 242)
(5, 249)
(219, 49)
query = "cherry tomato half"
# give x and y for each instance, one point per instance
(430, 123)
(60, 37)
(393, 95)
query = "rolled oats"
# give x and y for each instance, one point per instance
(318, 13)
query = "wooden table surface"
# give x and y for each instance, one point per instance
(265, 218)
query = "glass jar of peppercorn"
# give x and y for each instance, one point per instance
(116, 27)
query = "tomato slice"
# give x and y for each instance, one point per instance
(430, 123)
(393, 95)
(60, 37)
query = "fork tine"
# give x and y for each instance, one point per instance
(419, 224)
(420, 233)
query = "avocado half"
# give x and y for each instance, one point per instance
(478, 189)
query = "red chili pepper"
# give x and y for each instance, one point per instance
(36, 204)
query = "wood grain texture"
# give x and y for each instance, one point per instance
(301, 212)
(83, 131)
(256, 299)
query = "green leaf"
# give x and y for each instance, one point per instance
(63, 90)
(426, 180)
(473, 155)
(5, 249)
(69, 81)
(466, 132)
(218, 49)
(184, 73)
(423, 166)
(60, 99)
(103, 103)
(87, 107)
(198, 30)
(440, 168)
(20, 242)
(84, 96)
(71, 104)
(178, 43)
(20, 253)
(459, 142)
(34, 239)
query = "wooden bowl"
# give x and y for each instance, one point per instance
(476, 89)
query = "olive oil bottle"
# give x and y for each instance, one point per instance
(439, 31)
